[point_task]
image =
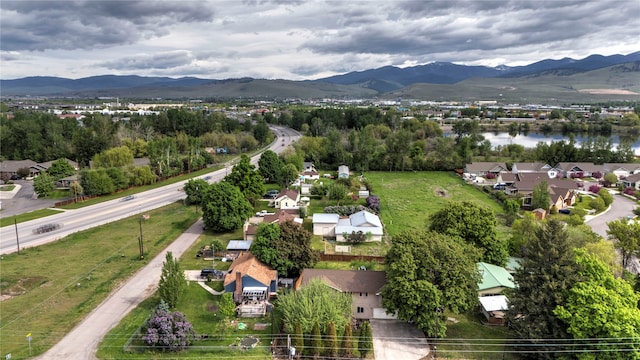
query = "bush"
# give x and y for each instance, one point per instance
(597, 204)
(606, 196)
(168, 331)
(373, 203)
(594, 188)
(629, 191)
(344, 210)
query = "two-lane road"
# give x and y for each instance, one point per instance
(72, 221)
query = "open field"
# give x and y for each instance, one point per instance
(407, 199)
(48, 289)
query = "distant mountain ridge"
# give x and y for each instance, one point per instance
(380, 82)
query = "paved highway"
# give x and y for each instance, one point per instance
(72, 221)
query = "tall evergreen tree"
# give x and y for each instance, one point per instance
(298, 339)
(331, 341)
(365, 342)
(172, 281)
(347, 341)
(548, 271)
(316, 341)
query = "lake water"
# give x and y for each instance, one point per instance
(532, 139)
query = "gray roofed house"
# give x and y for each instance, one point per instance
(622, 170)
(632, 181)
(364, 286)
(587, 169)
(11, 167)
(483, 168)
(529, 167)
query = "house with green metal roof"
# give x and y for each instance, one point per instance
(494, 279)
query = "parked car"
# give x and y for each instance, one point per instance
(565, 211)
(271, 194)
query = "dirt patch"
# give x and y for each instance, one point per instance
(10, 288)
(260, 326)
(441, 192)
(212, 308)
(608, 92)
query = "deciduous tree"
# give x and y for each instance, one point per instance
(285, 247)
(626, 238)
(600, 306)
(315, 303)
(245, 176)
(60, 169)
(474, 225)
(172, 281)
(270, 166)
(426, 273)
(224, 208)
(43, 185)
(540, 196)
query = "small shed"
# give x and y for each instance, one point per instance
(494, 308)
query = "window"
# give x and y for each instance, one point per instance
(360, 309)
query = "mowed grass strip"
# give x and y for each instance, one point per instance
(50, 288)
(408, 198)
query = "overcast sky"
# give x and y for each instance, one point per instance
(290, 39)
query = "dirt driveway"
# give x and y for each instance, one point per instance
(394, 340)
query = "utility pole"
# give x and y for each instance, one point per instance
(140, 244)
(15, 222)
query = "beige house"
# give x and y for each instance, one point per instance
(363, 285)
(287, 199)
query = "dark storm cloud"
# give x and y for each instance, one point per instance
(433, 27)
(69, 25)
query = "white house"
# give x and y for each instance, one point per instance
(325, 224)
(287, 199)
(364, 221)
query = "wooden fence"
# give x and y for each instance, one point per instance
(349, 258)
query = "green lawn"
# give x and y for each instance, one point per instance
(7, 187)
(407, 198)
(468, 338)
(52, 287)
(36, 214)
(200, 308)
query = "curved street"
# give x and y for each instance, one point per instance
(619, 209)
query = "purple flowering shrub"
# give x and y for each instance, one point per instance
(373, 203)
(629, 191)
(169, 331)
(594, 188)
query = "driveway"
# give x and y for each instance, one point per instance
(620, 208)
(395, 340)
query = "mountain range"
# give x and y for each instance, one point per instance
(594, 78)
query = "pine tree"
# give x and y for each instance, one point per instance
(331, 341)
(316, 341)
(347, 341)
(547, 272)
(298, 339)
(365, 342)
(172, 281)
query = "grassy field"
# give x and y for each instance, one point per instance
(407, 199)
(36, 214)
(50, 288)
